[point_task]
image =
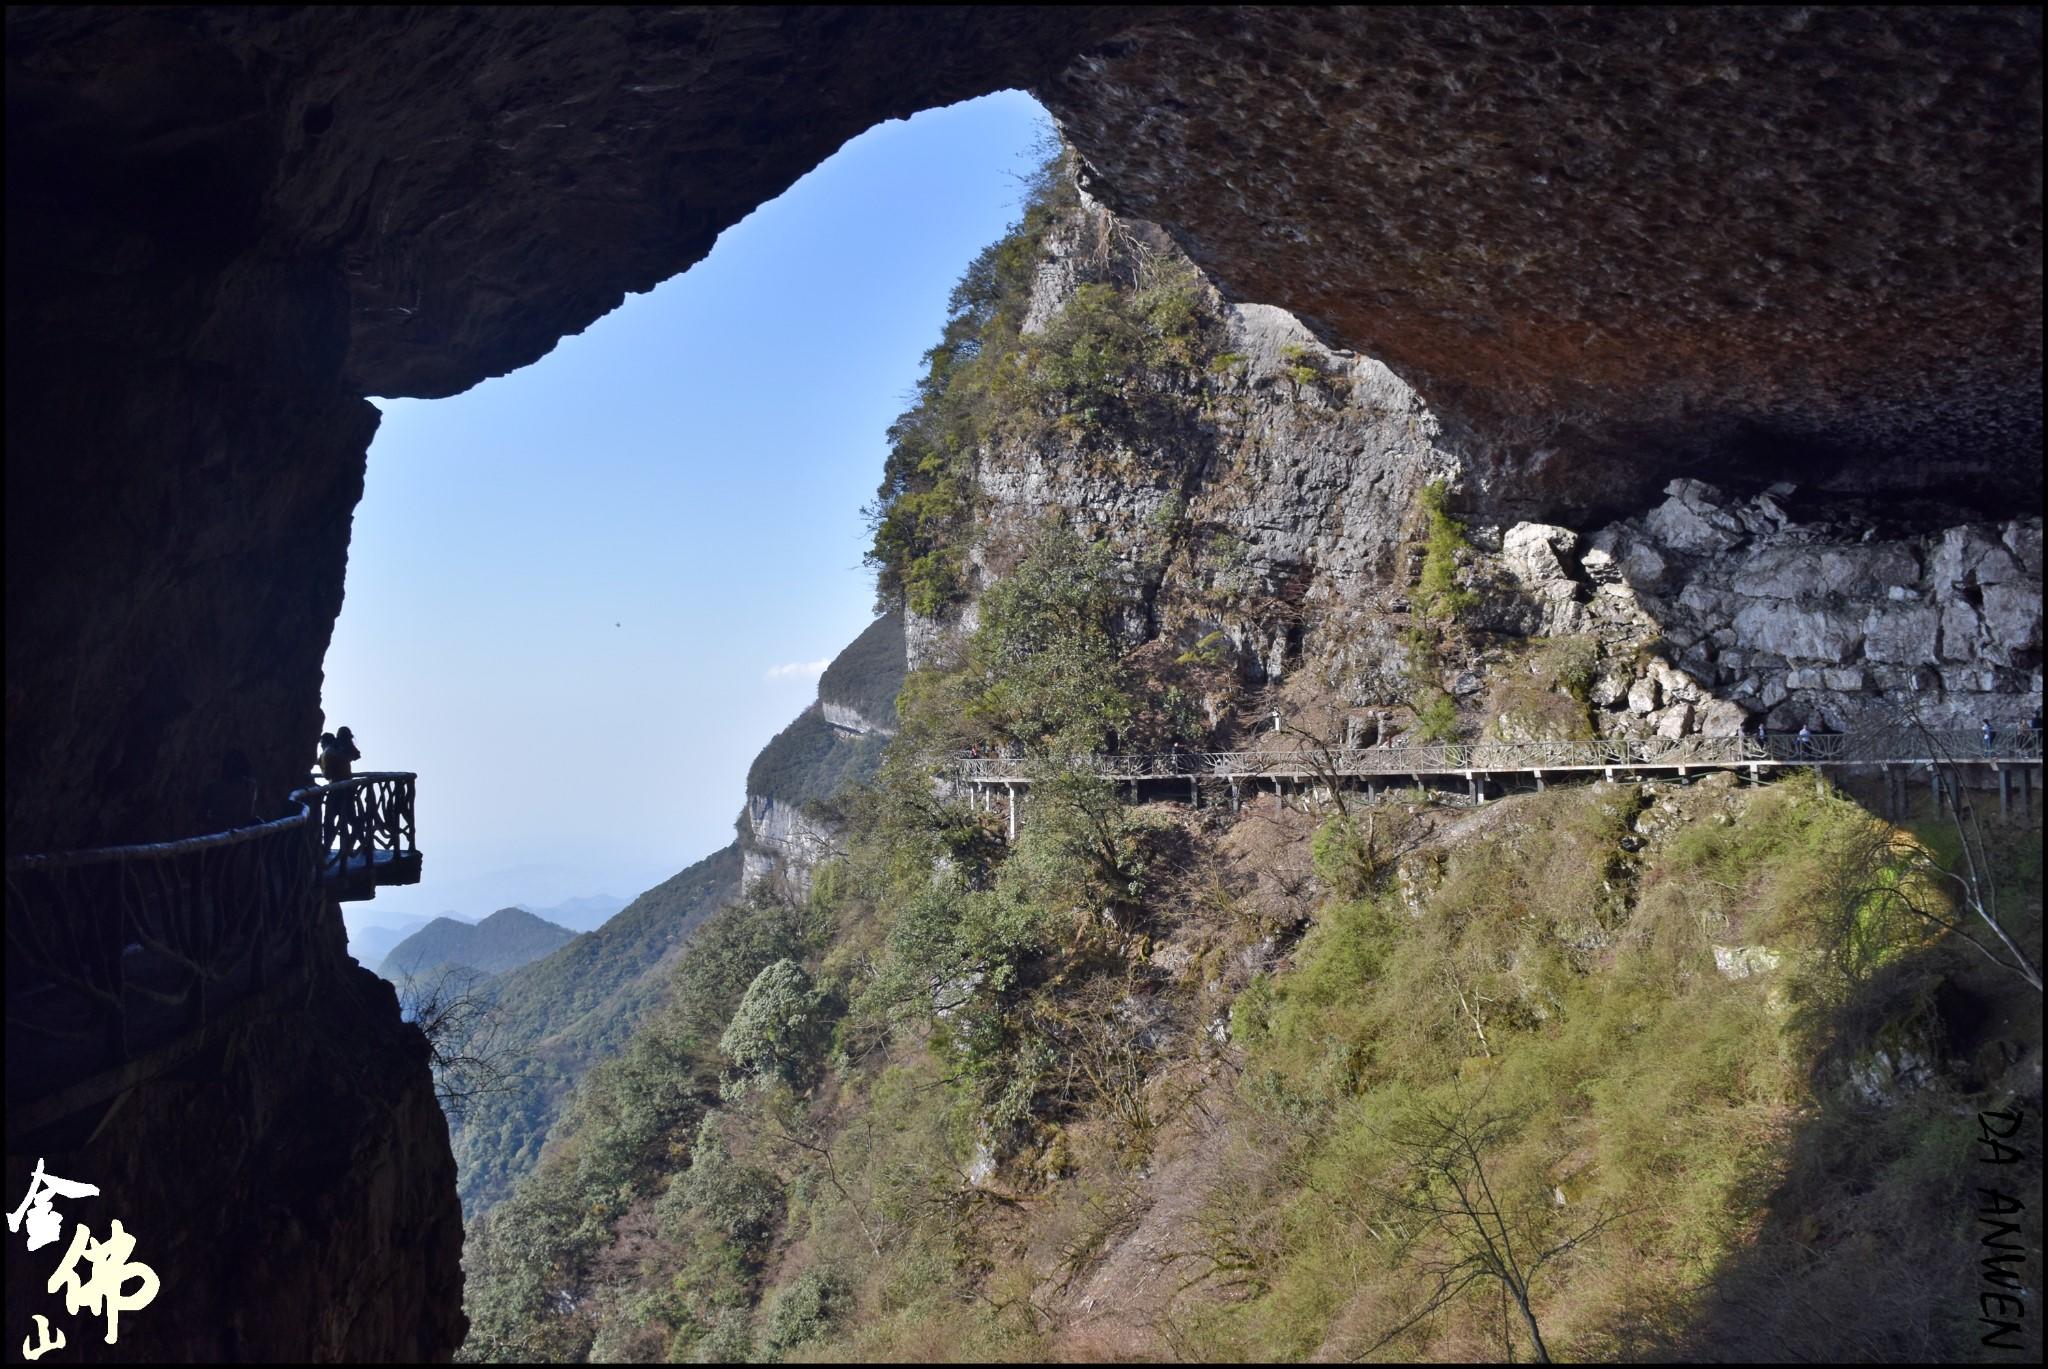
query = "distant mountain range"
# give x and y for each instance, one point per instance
(581, 914)
(504, 941)
(374, 932)
(370, 942)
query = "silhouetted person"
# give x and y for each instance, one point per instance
(337, 760)
(337, 764)
(1805, 740)
(1990, 737)
(1763, 735)
(230, 800)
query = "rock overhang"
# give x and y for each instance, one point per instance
(1608, 246)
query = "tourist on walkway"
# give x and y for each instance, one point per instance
(336, 755)
(336, 764)
(1805, 741)
(1990, 737)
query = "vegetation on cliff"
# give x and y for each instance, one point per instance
(560, 1014)
(1569, 1075)
(1121, 357)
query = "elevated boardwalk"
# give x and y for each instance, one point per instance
(2012, 755)
(117, 953)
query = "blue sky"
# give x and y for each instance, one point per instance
(580, 597)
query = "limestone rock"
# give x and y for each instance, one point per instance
(1741, 962)
(1692, 519)
(1407, 225)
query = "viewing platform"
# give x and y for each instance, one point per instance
(368, 837)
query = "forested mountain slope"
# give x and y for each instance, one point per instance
(559, 1017)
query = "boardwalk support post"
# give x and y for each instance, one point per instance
(1012, 805)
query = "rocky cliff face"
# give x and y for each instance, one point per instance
(298, 1151)
(787, 827)
(1832, 617)
(1278, 526)
(784, 845)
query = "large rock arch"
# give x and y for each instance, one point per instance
(1608, 244)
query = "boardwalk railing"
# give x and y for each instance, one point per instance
(1900, 746)
(365, 829)
(114, 949)
(117, 949)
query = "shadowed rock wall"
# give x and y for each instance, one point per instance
(1612, 245)
(289, 1183)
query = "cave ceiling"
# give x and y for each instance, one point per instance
(1607, 245)
(1690, 233)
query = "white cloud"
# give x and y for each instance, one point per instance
(798, 669)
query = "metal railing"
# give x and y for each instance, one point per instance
(1896, 746)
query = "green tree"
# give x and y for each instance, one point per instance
(774, 1028)
(1044, 665)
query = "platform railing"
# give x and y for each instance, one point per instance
(1889, 746)
(360, 817)
(162, 932)
(118, 949)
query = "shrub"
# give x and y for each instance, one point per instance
(809, 1308)
(1304, 365)
(1343, 858)
(741, 1202)
(1043, 665)
(1437, 596)
(774, 1028)
(1436, 716)
(1212, 650)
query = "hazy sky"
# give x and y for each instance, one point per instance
(581, 596)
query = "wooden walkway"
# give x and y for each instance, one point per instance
(1900, 753)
